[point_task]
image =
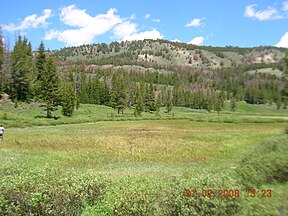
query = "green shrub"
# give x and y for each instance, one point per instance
(5, 116)
(146, 196)
(268, 163)
(47, 191)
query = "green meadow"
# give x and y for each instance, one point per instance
(100, 163)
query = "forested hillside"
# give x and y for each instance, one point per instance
(144, 75)
(166, 54)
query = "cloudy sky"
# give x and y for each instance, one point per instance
(60, 23)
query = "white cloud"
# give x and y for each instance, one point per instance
(176, 40)
(147, 16)
(132, 17)
(31, 21)
(128, 31)
(283, 41)
(195, 22)
(124, 30)
(268, 14)
(285, 6)
(156, 20)
(153, 34)
(51, 34)
(197, 40)
(88, 26)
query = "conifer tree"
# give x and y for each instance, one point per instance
(209, 105)
(169, 102)
(21, 70)
(149, 98)
(118, 95)
(95, 90)
(1, 49)
(104, 95)
(68, 98)
(1, 60)
(219, 103)
(40, 60)
(233, 104)
(139, 102)
(48, 84)
(286, 64)
(158, 103)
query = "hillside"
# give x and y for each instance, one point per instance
(166, 54)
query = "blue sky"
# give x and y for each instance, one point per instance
(60, 23)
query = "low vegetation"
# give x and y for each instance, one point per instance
(140, 167)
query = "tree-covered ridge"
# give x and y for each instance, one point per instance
(121, 79)
(161, 53)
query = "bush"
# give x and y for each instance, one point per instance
(146, 196)
(268, 163)
(5, 116)
(47, 191)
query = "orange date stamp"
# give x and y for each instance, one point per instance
(232, 193)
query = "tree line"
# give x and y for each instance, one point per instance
(36, 76)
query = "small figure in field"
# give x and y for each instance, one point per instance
(1, 131)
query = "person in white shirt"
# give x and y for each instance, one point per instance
(1, 131)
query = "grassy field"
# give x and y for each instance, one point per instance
(97, 164)
(27, 115)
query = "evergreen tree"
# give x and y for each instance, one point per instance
(68, 98)
(219, 103)
(104, 95)
(48, 84)
(158, 103)
(139, 108)
(84, 89)
(149, 98)
(118, 95)
(169, 102)
(286, 64)
(209, 106)
(1, 60)
(95, 90)
(40, 60)
(21, 70)
(277, 100)
(233, 104)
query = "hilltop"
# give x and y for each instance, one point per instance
(166, 54)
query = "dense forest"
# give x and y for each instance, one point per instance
(75, 75)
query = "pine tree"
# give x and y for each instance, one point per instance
(209, 105)
(40, 60)
(21, 70)
(40, 64)
(277, 100)
(149, 98)
(219, 103)
(95, 90)
(286, 64)
(158, 103)
(48, 84)
(118, 95)
(1, 60)
(68, 98)
(139, 108)
(233, 104)
(104, 95)
(169, 102)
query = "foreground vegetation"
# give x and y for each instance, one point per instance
(142, 167)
